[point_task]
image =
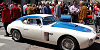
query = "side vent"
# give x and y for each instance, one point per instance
(46, 36)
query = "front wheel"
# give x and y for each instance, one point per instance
(16, 35)
(68, 43)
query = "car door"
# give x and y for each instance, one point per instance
(32, 29)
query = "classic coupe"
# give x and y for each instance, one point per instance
(45, 28)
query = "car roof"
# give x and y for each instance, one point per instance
(35, 16)
(41, 15)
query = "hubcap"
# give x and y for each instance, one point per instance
(16, 35)
(67, 44)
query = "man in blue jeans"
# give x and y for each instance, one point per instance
(95, 10)
(57, 10)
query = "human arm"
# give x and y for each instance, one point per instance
(43, 10)
(71, 9)
(78, 10)
(11, 13)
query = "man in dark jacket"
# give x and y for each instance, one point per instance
(46, 9)
(5, 17)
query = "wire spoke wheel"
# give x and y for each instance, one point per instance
(67, 44)
(16, 35)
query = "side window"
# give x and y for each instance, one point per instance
(32, 21)
(38, 21)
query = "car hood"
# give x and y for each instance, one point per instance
(71, 26)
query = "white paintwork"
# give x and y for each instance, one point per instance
(42, 15)
(36, 32)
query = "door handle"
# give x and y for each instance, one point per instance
(26, 29)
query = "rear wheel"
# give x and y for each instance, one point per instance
(68, 43)
(16, 35)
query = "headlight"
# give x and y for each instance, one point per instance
(91, 41)
(94, 31)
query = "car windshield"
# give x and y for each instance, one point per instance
(48, 20)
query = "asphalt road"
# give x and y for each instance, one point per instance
(6, 43)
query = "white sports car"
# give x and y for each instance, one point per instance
(44, 28)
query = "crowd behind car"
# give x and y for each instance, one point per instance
(79, 11)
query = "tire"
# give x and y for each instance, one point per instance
(16, 35)
(68, 40)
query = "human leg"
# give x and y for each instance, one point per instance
(5, 27)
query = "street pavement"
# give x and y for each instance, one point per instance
(6, 43)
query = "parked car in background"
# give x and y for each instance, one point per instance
(66, 18)
(45, 28)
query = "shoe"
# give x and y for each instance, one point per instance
(6, 35)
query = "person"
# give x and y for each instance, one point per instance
(34, 9)
(8, 4)
(24, 7)
(5, 17)
(12, 5)
(57, 10)
(29, 9)
(83, 13)
(89, 9)
(61, 7)
(42, 5)
(95, 10)
(46, 9)
(39, 8)
(19, 6)
(98, 16)
(66, 9)
(0, 12)
(74, 10)
(52, 8)
(15, 12)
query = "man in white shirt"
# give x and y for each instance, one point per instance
(24, 7)
(74, 10)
